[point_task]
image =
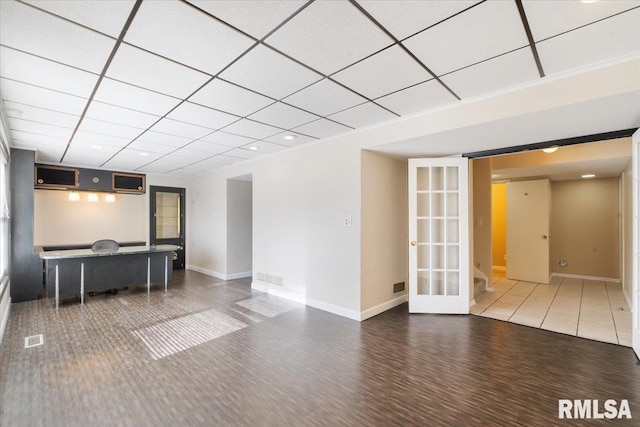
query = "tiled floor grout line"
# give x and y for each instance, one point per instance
(526, 298)
(580, 307)
(501, 295)
(552, 300)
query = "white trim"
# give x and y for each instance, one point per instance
(207, 272)
(579, 276)
(334, 309)
(4, 288)
(380, 308)
(244, 275)
(278, 291)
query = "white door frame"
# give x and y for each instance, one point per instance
(635, 230)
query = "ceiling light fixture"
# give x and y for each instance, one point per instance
(588, 1)
(144, 154)
(550, 150)
(589, 175)
(254, 148)
(97, 147)
(74, 196)
(92, 197)
(289, 137)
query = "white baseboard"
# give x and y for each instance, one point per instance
(334, 309)
(498, 268)
(380, 308)
(579, 276)
(277, 291)
(218, 275)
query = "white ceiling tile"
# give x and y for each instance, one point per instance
(122, 116)
(547, 19)
(185, 130)
(106, 128)
(33, 70)
(317, 35)
(498, 73)
(254, 17)
(203, 116)
(283, 116)
(252, 129)
(45, 151)
(269, 73)
(16, 124)
(144, 69)
(208, 147)
(129, 159)
(178, 31)
(43, 98)
(244, 153)
(363, 115)
(26, 28)
(41, 115)
(322, 128)
(90, 138)
(324, 98)
(413, 15)
(189, 154)
(86, 158)
(185, 172)
(164, 139)
(385, 72)
(211, 163)
(487, 30)
(106, 16)
(422, 97)
(151, 147)
(165, 164)
(298, 140)
(227, 139)
(225, 159)
(135, 98)
(38, 139)
(263, 147)
(94, 150)
(598, 42)
(227, 97)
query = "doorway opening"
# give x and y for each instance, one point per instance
(588, 260)
(239, 227)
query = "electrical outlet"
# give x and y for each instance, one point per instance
(347, 221)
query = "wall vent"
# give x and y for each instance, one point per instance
(33, 341)
(398, 287)
(277, 280)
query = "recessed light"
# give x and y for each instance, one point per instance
(589, 175)
(144, 154)
(289, 137)
(588, 1)
(550, 149)
(97, 147)
(254, 148)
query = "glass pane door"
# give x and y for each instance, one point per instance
(438, 230)
(167, 220)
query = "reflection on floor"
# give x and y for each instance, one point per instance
(584, 308)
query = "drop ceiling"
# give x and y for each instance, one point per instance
(185, 87)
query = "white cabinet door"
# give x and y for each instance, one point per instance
(439, 253)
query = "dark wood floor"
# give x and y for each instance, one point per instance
(216, 353)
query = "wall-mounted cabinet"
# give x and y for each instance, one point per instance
(62, 178)
(55, 177)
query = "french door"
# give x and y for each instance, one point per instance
(439, 252)
(635, 229)
(167, 220)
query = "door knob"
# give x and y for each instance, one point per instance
(545, 237)
(413, 243)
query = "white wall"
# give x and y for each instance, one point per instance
(57, 221)
(239, 228)
(384, 228)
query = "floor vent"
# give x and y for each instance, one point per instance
(33, 341)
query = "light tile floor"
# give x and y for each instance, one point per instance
(584, 308)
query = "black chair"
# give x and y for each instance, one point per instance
(105, 246)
